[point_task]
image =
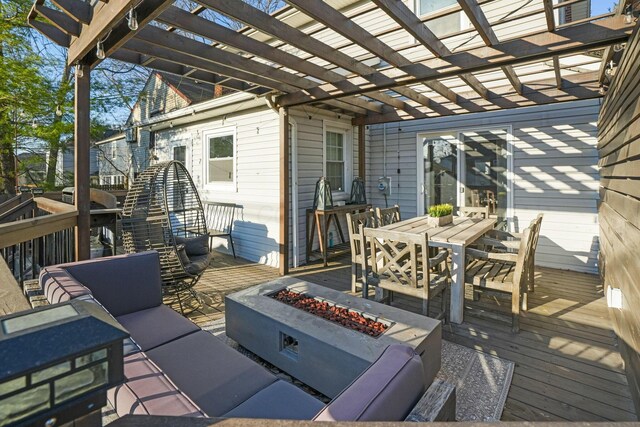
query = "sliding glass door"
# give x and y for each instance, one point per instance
(465, 168)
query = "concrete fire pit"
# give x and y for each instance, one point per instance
(322, 354)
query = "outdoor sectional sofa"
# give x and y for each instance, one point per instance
(175, 368)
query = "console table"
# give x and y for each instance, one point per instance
(319, 220)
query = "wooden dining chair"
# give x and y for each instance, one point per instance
(356, 223)
(481, 212)
(510, 242)
(400, 263)
(503, 272)
(387, 216)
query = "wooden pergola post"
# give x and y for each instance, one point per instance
(81, 163)
(283, 262)
(361, 153)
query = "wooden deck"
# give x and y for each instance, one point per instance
(567, 364)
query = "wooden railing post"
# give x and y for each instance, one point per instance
(82, 161)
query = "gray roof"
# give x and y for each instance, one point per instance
(195, 92)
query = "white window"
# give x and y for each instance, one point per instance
(337, 157)
(114, 150)
(220, 157)
(445, 24)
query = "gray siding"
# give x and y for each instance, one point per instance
(555, 172)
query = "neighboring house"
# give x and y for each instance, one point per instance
(65, 165)
(123, 156)
(230, 145)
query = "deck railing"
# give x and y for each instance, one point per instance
(40, 233)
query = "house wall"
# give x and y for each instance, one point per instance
(619, 152)
(555, 172)
(257, 179)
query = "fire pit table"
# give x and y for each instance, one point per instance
(329, 348)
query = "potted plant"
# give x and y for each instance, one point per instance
(440, 215)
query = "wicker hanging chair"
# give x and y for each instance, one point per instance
(163, 212)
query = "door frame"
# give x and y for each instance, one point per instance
(456, 131)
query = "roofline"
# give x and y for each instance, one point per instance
(185, 115)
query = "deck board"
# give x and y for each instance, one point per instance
(567, 363)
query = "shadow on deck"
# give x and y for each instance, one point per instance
(567, 364)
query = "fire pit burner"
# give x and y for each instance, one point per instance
(330, 311)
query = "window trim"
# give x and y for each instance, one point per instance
(212, 133)
(347, 130)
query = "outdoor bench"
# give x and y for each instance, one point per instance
(174, 368)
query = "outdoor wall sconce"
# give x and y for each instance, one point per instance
(358, 193)
(57, 364)
(323, 199)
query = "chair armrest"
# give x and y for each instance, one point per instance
(438, 259)
(504, 235)
(437, 404)
(497, 256)
(499, 244)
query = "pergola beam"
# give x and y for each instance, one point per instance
(183, 71)
(110, 26)
(540, 93)
(51, 32)
(270, 25)
(549, 14)
(77, 10)
(59, 20)
(536, 47)
(558, 73)
(479, 20)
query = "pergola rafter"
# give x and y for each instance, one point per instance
(382, 80)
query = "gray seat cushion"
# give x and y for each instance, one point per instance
(156, 326)
(216, 377)
(386, 391)
(197, 264)
(281, 400)
(148, 391)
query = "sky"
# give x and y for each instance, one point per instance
(599, 7)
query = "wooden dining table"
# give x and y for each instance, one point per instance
(455, 236)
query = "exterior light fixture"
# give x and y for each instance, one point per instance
(58, 363)
(602, 90)
(100, 50)
(58, 111)
(132, 20)
(79, 72)
(628, 15)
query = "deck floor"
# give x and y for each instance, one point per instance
(567, 364)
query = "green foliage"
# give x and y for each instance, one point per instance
(438, 211)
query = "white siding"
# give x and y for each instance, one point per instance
(256, 225)
(554, 167)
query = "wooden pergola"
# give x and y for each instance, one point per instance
(366, 75)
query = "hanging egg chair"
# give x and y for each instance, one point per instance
(163, 212)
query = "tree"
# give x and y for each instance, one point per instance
(22, 87)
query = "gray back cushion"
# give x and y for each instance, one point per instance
(124, 283)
